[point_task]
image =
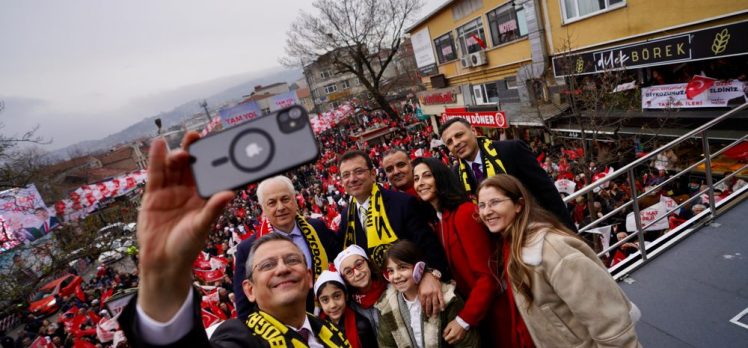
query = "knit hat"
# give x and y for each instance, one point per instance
(349, 251)
(327, 276)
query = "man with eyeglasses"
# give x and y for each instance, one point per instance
(377, 217)
(173, 225)
(276, 196)
(480, 158)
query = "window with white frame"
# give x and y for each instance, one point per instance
(507, 24)
(445, 48)
(574, 9)
(331, 88)
(487, 93)
(511, 82)
(325, 74)
(345, 84)
(471, 37)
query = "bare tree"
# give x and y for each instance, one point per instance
(361, 37)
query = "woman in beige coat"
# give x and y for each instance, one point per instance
(564, 295)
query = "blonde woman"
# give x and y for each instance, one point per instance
(563, 294)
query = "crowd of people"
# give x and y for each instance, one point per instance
(83, 321)
(418, 240)
(386, 246)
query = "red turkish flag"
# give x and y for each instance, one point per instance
(209, 318)
(698, 85)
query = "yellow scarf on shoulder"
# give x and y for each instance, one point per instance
(491, 161)
(276, 334)
(379, 233)
(319, 256)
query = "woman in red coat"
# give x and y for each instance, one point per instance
(468, 249)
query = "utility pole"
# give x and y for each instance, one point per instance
(204, 105)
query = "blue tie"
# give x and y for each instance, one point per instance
(478, 173)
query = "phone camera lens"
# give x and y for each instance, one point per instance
(295, 113)
(283, 117)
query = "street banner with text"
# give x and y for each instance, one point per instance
(490, 119)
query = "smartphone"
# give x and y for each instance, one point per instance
(252, 151)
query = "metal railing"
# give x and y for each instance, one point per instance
(647, 250)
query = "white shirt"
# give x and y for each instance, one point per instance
(477, 159)
(414, 308)
(313, 342)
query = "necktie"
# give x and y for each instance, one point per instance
(362, 214)
(304, 332)
(477, 172)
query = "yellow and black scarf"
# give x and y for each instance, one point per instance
(319, 256)
(276, 334)
(379, 233)
(490, 162)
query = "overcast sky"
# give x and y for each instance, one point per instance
(83, 69)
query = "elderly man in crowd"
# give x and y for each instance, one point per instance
(276, 196)
(173, 225)
(480, 158)
(377, 217)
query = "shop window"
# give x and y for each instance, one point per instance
(507, 24)
(331, 88)
(445, 48)
(574, 9)
(471, 37)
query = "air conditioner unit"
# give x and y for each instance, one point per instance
(465, 61)
(478, 58)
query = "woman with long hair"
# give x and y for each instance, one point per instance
(467, 246)
(562, 293)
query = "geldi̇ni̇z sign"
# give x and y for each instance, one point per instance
(491, 119)
(721, 41)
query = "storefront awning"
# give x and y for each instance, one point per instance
(529, 116)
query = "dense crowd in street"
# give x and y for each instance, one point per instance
(320, 194)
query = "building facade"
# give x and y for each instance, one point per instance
(526, 57)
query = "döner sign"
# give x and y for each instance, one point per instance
(491, 119)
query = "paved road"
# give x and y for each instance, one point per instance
(689, 294)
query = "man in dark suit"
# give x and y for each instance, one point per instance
(481, 158)
(377, 217)
(173, 225)
(276, 196)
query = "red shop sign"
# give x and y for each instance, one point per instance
(491, 119)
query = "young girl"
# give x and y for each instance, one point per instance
(363, 281)
(402, 322)
(331, 294)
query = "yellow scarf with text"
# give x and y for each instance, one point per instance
(319, 256)
(491, 161)
(276, 334)
(379, 233)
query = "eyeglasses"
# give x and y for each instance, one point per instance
(289, 260)
(358, 266)
(492, 203)
(357, 172)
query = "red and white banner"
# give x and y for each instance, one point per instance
(490, 119)
(209, 276)
(657, 211)
(327, 120)
(565, 186)
(680, 96)
(670, 204)
(86, 198)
